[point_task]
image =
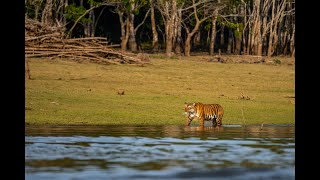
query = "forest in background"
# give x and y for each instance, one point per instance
(240, 27)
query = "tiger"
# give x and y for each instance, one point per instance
(204, 112)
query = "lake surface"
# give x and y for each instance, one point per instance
(160, 152)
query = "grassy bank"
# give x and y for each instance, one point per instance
(64, 92)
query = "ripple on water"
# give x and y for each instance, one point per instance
(173, 157)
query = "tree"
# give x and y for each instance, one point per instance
(168, 10)
(47, 13)
(276, 18)
(255, 27)
(127, 10)
(154, 29)
(194, 15)
(213, 31)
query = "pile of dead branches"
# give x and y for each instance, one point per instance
(49, 41)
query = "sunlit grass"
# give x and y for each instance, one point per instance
(64, 92)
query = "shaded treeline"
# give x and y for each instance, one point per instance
(251, 27)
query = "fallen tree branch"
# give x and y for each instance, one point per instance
(44, 41)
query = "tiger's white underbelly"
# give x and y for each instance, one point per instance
(207, 117)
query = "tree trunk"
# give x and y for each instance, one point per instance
(169, 28)
(125, 38)
(91, 24)
(187, 46)
(197, 38)
(169, 38)
(247, 36)
(124, 30)
(64, 17)
(277, 16)
(293, 52)
(244, 39)
(37, 4)
(154, 30)
(235, 33)
(174, 33)
(168, 10)
(292, 48)
(285, 42)
(230, 41)
(27, 70)
(270, 44)
(222, 37)
(249, 39)
(177, 49)
(194, 30)
(213, 34)
(259, 48)
(256, 34)
(238, 45)
(47, 13)
(85, 26)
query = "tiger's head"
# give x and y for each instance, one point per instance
(189, 110)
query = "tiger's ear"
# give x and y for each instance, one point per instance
(194, 104)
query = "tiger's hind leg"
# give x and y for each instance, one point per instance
(219, 121)
(201, 122)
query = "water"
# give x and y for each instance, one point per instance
(159, 152)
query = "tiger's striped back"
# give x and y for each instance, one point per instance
(205, 112)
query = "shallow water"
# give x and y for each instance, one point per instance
(159, 152)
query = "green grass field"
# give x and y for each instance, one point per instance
(65, 92)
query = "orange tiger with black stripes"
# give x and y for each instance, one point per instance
(204, 112)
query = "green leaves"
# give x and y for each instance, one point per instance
(207, 24)
(73, 12)
(94, 3)
(236, 27)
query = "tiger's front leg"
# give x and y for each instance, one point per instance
(190, 117)
(188, 122)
